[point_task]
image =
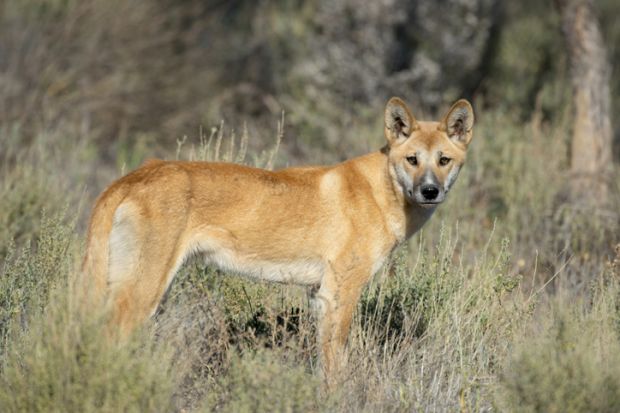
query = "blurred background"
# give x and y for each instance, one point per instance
(132, 74)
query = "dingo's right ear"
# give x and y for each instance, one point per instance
(399, 122)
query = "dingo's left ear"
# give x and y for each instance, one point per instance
(399, 122)
(458, 122)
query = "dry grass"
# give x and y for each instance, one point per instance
(449, 324)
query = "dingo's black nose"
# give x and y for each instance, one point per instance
(429, 192)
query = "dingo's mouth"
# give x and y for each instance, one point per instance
(428, 204)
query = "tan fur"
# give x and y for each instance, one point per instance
(331, 227)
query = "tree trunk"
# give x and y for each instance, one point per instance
(591, 149)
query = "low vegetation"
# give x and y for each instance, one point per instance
(498, 304)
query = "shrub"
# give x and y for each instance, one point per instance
(65, 363)
(263, 382)
(29, 275)
(570, 359)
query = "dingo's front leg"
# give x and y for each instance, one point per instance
(337, 298)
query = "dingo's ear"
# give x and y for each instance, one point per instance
(458, 122)
(399, 122)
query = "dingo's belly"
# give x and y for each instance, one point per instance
(226, 253)
(303, 272)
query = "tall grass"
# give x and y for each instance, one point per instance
(461, 319)
(568, 360)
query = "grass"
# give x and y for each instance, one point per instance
(478, 312)
(568, 361)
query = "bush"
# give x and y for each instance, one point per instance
(263, 382)
(28, 276)
(65, 363)
(570, 360)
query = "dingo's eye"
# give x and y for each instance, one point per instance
(444, 160)
(413, 160)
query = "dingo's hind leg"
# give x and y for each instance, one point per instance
(141, 266)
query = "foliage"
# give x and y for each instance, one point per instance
(28, 276)
(568, 361)
(263, 383)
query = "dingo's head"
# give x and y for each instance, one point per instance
(425, 157)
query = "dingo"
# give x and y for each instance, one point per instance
(330, 227)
